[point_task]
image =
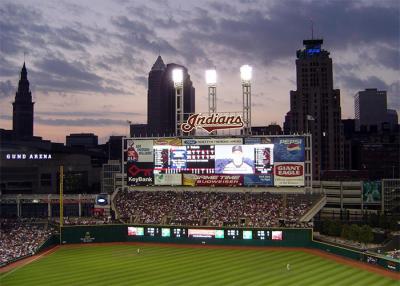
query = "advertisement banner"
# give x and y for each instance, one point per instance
(168, 141)
(140, 173)
(212, 180)
(258, 180)
(206, 233)
(139, 150)
(288, 174)
(257, 140)
(168, 179)
(212, 141)
(290, 149)
(135, 231)
(372, 192)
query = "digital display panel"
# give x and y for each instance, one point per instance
(201, 233)
(247, 234)
(152, 231)
(219, 162)
(219, 233)
(166, 232)
(232, 233)
(135, 231)
(179, 232)
(276, 235)
(263, 234)
(234, 159)
(200, 159)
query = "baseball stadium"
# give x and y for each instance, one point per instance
(215, 210)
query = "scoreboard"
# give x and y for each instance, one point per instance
(261, 161)
(206, 233)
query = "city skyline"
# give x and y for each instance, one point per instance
(88, 66)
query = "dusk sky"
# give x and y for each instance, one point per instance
(88, 61)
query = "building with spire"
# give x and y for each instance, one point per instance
(161, 100)
(23, 108)
(315, 107)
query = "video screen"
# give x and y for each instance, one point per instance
(202, 233)
(234, 159)
(165, 232)
(219, 233)
(247, 234)
(200, 159)
(169, 159)
(135, 231)
(276, 235)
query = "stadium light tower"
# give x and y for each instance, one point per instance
(177, 77)
(246, 74)
(211, 81)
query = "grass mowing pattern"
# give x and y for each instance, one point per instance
(157, 265)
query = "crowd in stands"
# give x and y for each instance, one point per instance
(395, 254)
(84, 220)
(19, 238)
(259, 209)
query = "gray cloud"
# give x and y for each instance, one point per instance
(355, 83)
(88, 113)
(6, 89)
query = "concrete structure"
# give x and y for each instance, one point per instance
(23, 108)
(161, 99)
(315, 107)
(370, 109)
(86, 140)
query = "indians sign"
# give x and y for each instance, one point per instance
(212, 122)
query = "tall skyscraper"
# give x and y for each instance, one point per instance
(370, 109)
(315, 107)
(161, 98)
(23, 108)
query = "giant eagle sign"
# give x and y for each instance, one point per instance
(212, 122)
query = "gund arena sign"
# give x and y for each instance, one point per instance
(288, 174)
(212, 122)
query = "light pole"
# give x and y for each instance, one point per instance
(245, 74)
(211, 81)
(177, 77)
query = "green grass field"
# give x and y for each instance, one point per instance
(159, 265)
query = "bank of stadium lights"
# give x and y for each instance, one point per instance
(177, 77)
(211, 77)
(246, 75)
(211, 81)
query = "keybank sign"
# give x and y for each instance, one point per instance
(31, 156)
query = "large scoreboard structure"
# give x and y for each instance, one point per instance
(234, 161)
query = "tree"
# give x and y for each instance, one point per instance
(345, 231)
(354, 232)
(365, 234)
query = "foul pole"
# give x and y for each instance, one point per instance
(61, 199)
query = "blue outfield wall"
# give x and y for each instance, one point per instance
(290, 237)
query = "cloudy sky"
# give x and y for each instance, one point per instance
(88, 61)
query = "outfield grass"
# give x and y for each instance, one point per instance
(157, 265)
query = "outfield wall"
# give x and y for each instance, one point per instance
(290, 237)
(180, 234)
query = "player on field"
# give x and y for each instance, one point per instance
(288, 267)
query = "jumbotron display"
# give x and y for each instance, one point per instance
(263, 161)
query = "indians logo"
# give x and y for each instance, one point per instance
(212, 122)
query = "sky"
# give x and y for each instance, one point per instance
(88, 61)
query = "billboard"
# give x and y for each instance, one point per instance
(372, 192)
(168, 179)
(205, 233)
(212, 141)
(140, 173)
(140, 150)
(276, 235)
(289, 149)
(194, 180)
(258, 180)
(288, 174)
(216, 161)
(135, 231)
